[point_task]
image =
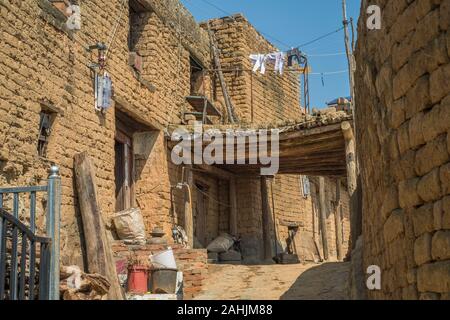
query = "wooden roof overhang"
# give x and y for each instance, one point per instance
(317, 150)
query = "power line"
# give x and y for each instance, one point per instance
(231, 16)
(272, 37)
(327, 73)
(320, 38)
(326, 54)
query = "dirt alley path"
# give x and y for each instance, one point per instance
(274, 282)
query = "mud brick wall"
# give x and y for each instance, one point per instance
(257, 98)
(288, 205)
(292, 207)
(43, 62)
(403, 117)
(193, 263)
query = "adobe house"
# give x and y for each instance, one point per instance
(161, 65)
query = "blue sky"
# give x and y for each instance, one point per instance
(295, 22)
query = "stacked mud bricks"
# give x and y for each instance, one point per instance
(403, 117)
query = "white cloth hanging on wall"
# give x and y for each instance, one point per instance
(259, 62)
(278, 58)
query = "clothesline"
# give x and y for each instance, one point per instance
(327, 73)
(286, 70)
(326, 54)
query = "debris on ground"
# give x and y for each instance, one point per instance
(77, 285)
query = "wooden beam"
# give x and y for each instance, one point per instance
(188, 205)
(300, 133)
(352, 180)
(233, 208)
(99, 254)
(323, 218)
(266, 215)
(214, 171)
(338, 221)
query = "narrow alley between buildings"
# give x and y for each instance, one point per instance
(327, 281)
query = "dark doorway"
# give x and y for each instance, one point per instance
(197, 78)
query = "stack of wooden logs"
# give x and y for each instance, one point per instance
(77, 285)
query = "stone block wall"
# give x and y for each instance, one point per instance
(403, 135)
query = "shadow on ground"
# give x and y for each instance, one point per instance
(324, 282)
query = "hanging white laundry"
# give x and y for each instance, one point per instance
(99, 83)
(278, 58)
(259, 62)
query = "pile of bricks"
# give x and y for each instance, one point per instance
(192, 262)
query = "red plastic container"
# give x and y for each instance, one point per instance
(138, 279)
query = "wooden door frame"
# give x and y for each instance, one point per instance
(126, 139)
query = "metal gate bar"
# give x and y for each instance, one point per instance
(49, 250)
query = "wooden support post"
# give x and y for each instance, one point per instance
(352, 181)
(266, 214)
(99, 254)
(323, 217)
(338, 221)
(188, 215)
(233, 208)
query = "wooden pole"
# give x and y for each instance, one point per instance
(275, 229)
(338, 221)
(188, 216)
(233, 208)
(323, 217)
(266, 219)
(226, 97)
(99, 254)
(352, 180)
(350, 57)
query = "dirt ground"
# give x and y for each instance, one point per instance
(277, 282)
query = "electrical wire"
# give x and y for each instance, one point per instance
(328, 73)
(284, 44)
(326, 54)
(320, 38)
(209, 197)
(113, 35)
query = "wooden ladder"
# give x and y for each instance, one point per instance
(230, 109)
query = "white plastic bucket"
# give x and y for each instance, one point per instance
(164, 260)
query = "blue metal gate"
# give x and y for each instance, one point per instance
(17, 237)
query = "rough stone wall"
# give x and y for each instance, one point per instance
(40, 60)
(257, 98)
(403, 123)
